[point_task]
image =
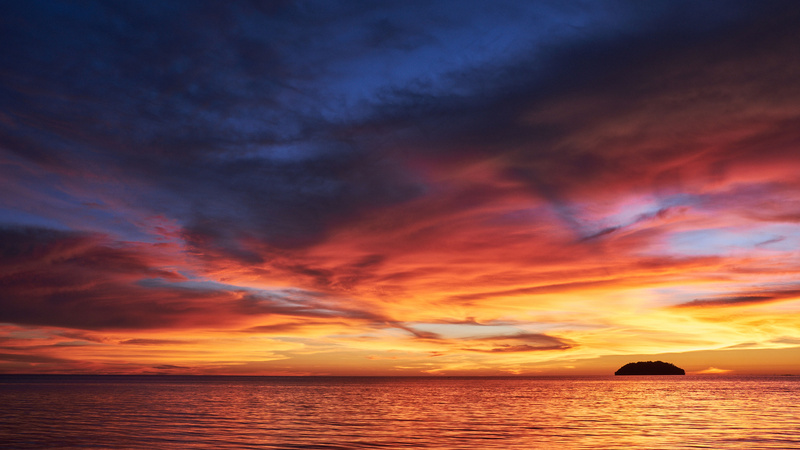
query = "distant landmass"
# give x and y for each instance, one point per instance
(650, 368)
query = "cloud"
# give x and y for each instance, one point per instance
(237, 153)
(285, 328)
(34, 359)
(507, 348)
(788, 340)
(242, 159)
(85, 281)
(323, 170)
(204, 128)
(155, 342)
(744, 299)
(521, 342)
(611, 117)
(80, 280)
(170, 367)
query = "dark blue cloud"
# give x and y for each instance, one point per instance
(200, 104)
(281, 121)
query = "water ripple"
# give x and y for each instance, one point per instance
(379, 413)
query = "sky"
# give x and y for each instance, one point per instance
(399, 188)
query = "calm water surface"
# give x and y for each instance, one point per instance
(131, 412)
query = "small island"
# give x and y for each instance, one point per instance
(650, 368)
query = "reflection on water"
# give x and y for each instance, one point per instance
(445, 413)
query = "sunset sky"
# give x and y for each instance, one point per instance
(399, 188)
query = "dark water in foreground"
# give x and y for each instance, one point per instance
(441, 413)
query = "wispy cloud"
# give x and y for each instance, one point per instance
(747, 298)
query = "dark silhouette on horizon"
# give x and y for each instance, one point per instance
(650, 368)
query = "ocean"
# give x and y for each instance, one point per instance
(186, 412)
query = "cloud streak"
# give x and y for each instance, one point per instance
(743, 299)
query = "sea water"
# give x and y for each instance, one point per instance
(153, 412)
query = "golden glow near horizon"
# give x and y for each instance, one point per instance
(563, 215)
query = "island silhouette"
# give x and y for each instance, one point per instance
(650, 368)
